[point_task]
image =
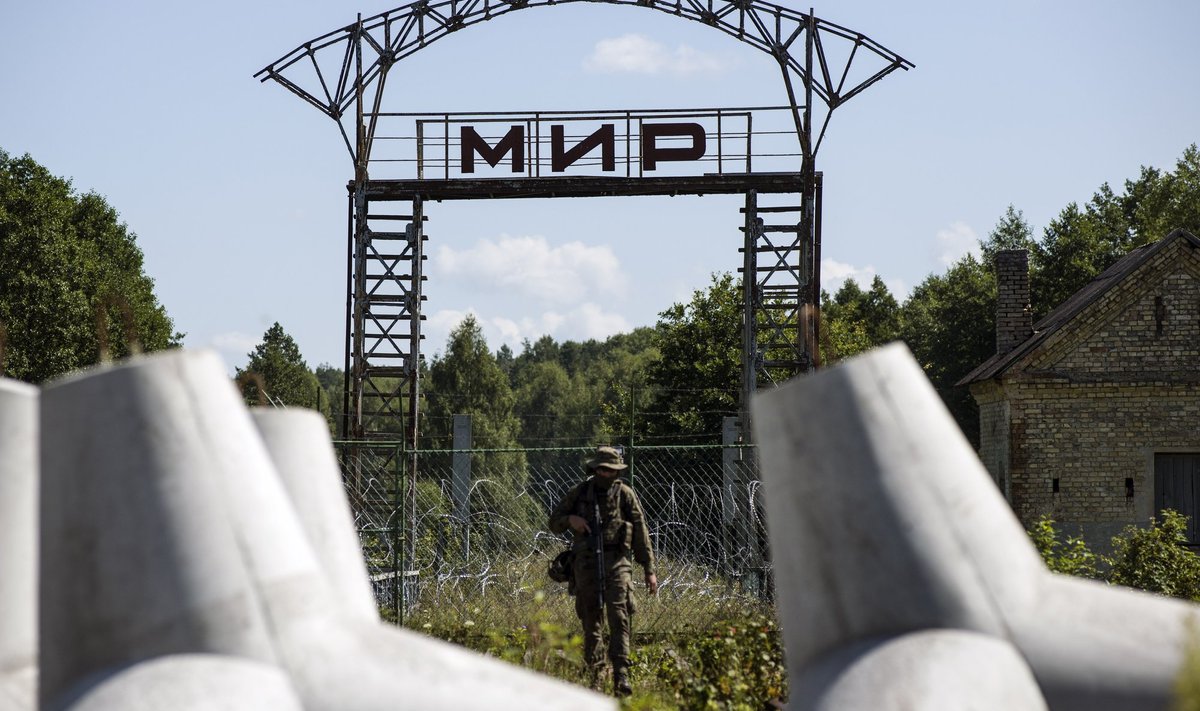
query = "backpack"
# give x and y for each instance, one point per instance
(562, 567)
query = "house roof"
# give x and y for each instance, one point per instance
(1076, 303)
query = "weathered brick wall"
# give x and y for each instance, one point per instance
(1138, 331)
(994, 434)
(1091, 437)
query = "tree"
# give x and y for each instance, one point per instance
(467, 380)
(1082, 242)
(1074, 249)
(582, 393)
(333, 387)
(855, 320)
(64, 258)
(949, 325)
(698, 373)
(543, 401)
(1160, 203)
(286, 379)
(1010, 232)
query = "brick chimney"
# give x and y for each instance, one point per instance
(1014, 317)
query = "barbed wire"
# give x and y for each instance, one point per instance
(430, 550)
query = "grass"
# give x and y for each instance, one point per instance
(699, 644)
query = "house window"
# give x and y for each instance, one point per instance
(1177, 486)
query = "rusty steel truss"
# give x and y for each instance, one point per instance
(343, 74)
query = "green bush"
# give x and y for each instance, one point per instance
(1070, 556)
(735, 665)
(1155, 559)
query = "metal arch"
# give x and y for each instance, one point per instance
(401, 32)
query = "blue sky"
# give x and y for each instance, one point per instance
(236, 189)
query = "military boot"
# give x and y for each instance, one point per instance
(621, 686)
(596, 677)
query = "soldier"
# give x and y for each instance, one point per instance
(623, 530)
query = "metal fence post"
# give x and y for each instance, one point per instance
(460, 478)
(733, 520)
(398, 534)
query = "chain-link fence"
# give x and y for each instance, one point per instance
(462, 533)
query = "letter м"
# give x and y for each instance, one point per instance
(472, 143)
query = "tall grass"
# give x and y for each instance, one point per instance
(700, 643)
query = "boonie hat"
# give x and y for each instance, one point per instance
(607, 457)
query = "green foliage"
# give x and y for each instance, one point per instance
(949, 324)
(1082, 242)
(63, 258)
(467, 380)
(857, 320)
(581, 393)
(1155, 559)
(1070, 556)
(698, 374)
(736, 664)
(732, 664)
(1010, 232)
(541, 643)
(333, 385)
(286, 378)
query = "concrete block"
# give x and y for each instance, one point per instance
(934, 669)
(1098, 647)
(300, 446)
(884, 522)
(139, 556)
(187, 682)
(229, 569)
(18, 545)
(18, 689)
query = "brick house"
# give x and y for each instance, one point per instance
(1093, 414)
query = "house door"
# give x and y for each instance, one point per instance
(1177, 486)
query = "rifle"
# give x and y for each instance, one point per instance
(597, 536)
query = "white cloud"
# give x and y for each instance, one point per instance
(955, 242)
(591, 321)
(585, 321)
(566, 274)
(638, 54)
(835, 273)
(437, 327)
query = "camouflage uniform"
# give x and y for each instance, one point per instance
(624, 530)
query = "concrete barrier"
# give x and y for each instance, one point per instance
(299, 444)
(883, 522)
(18, 545)
(930, 670)
(163, 507)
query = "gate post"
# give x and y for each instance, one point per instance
(460, 479)
(733, 518)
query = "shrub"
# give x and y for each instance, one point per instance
(1155, 559)
(1071, 556)
(733, 665)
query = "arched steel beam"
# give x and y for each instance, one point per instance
(370, 46)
